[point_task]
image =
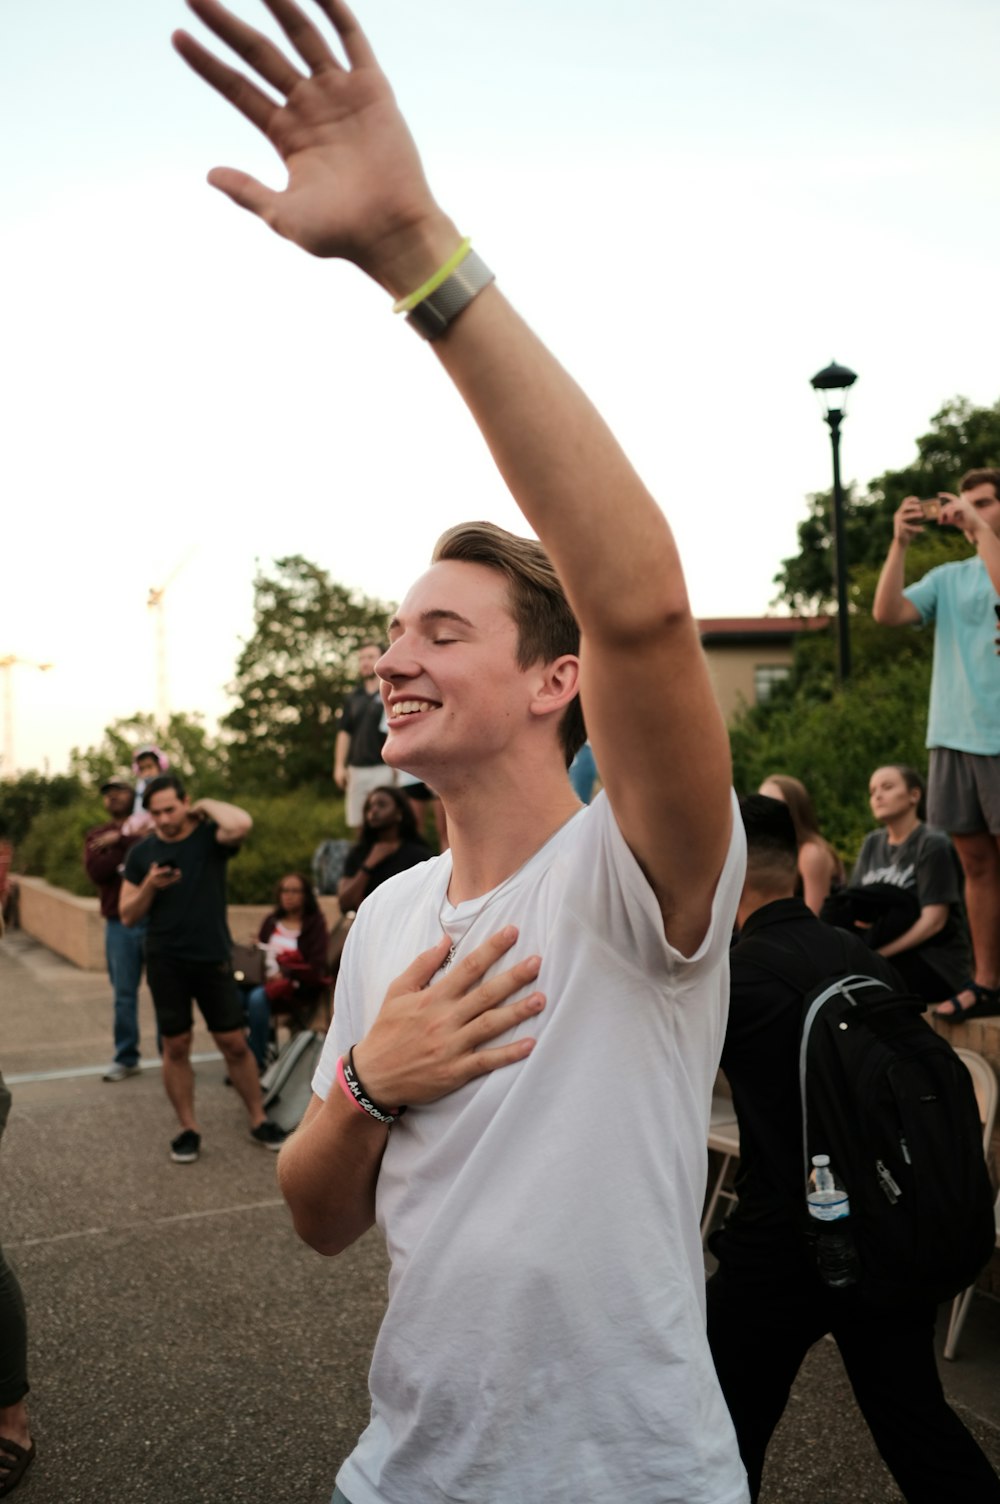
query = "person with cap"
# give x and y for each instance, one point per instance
(104, 850)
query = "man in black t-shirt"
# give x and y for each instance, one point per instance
(357, 765)
(177, 876)
(766, 1303)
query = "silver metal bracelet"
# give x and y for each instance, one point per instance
(440, 308)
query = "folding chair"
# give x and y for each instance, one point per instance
(985, 1083)
(724, 1138)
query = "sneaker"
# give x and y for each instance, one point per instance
(186, 1147)
(268, 1134)
(117, 1071)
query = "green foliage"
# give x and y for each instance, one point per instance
(22, 799)
(962, 437)
(292, 675)
(287, 830)
(194, 755)
(53, 847)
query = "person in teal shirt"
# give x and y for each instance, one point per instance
(963, 729)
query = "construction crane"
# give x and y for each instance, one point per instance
(155, 603)
(7, 664)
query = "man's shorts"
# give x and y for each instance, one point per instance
(963, 792)
(176, 984)
(360, 782)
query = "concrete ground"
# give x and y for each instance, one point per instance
(185, 1348)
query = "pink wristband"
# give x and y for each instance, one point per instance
(351, 1084)
(342, 1082)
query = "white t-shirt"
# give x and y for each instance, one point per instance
(544, 1341)
(280, 940)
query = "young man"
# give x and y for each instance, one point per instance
(104, 850)
(963, 729)
(357, 765)
(555, 1040)
(177, 876)
(767, 1304)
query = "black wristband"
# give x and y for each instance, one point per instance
(357, 1091)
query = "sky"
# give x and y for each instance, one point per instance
(697, 207)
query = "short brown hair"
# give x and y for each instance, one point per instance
(973, 478)
(546, 626)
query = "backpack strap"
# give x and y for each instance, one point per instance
(798, 969)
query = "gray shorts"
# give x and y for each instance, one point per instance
(963, 792)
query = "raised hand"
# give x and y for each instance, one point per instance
(430, 1038)
(908, 521)
(356, 188)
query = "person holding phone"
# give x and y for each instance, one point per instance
(177, 877)
(963, 729)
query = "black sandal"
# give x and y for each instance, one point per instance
(14, 1463)
(985, 1004)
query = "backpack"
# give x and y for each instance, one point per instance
(895, 1109)
(328, 862)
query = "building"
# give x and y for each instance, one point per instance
(748, 655)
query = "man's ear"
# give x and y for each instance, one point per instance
(557, 683)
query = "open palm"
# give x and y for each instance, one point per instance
(354, 176)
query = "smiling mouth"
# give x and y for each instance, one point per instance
(409, 707)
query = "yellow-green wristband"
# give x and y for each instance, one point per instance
(404, 305)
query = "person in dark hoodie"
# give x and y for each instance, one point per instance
(104, 850)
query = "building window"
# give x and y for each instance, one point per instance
(766, 676)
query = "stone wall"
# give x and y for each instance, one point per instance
(74, 929)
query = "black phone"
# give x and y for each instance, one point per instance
(169, 867)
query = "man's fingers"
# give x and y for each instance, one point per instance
(245, 96)
(489, 995)
(356, 45)
(497, 1020)
(245, 191)
(302, 34)
(473, 967)
(482, 1062)
(251, 45)
(416, 976)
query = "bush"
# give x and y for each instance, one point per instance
(287, 830)
(53, 847)
(24, 798)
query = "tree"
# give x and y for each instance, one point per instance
(194, 755)
(292, 675)
(32, 794)
(962, 437)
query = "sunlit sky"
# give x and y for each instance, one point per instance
(696, 206)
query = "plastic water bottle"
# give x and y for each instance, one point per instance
(830, 1210)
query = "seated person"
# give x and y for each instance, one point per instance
(388, 844)
(294, 940)
(932, 954)
(820, 868)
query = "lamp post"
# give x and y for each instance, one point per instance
(831, 385)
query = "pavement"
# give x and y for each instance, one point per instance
(186, 1348)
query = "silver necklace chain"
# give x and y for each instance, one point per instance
(494, 896)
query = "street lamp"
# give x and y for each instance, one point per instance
(831, 384)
